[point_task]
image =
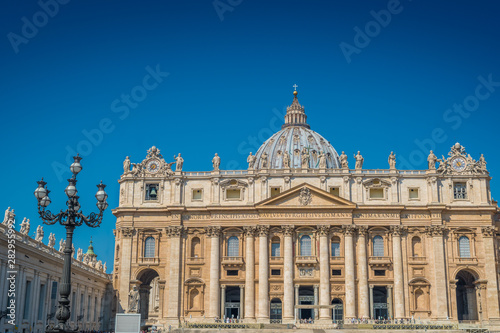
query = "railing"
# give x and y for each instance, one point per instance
(417, 259)
(299, 170)
(149, 260)
(466, 260)
(306, 260)
(233, 172)
(232, 260)
(197, 173)
(195, 260)
(334, 259)
(276, 259)
(223, 325)
(379, 260)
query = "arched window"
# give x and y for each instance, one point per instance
(233, 245)
(378, 246)
(305, 245)
(195, 247)
(416, 245)
(419, 299)
(149, 247)
(464, 247)
(275, 247)
(335, 247)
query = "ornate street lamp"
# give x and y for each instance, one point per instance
(70, 218)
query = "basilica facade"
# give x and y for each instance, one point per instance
(303, 234)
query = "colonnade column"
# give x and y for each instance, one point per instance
(242, 301)
(350, 285)
(263, 314)
(440, 281)
(364, 304)
(491, 275)
(213, 232)
(125, 257)
(371, 302)
(324, 272)
(174, 233)
(288, 299)
(296, 301)
(250, 273)
(222, 301)
(389, 302)
(399, 299)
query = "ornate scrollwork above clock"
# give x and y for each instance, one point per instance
(459, 162)
(152, 166)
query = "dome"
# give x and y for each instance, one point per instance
(298, 141)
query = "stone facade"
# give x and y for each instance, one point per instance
(38, 273)
(286, 240)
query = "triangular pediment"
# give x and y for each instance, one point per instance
(306, 196)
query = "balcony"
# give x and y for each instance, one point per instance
(195, 261)
(306, 261)
(336, 260)
(148, 261)
(232, 261)
(379, 261)
(466, 261)
(417, 260)
(276, 260)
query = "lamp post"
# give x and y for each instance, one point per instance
(70, 218)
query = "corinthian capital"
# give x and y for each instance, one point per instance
(349, 229)
(263, 230)
(323, 230)
(435, 230)
(398, 230)
(362, 230)
(250, 231)
(488, 231)
(174, 230)
(127, 232)
(287, 230)
(213, 231)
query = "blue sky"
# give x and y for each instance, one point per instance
(374, 76)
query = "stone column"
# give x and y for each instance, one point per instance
(4, 284)
(324, 271)
(213, 232)
(389, 302)
(249, 273)
(125, 257)
(371, 303)
(297, 301)
(440, 281)
(174, 233)
(242, 301)
(490, 270)
(263, 313)
(288, 299)
(350, 285)
(222, 301)
(399, 300)
(316, 301)
(364, 304)
(162, 304)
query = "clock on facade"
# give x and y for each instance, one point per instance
(153, 166)
(459, 164)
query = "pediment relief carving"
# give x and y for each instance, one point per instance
(376, 183)
(233, 183)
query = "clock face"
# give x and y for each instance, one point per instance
(153, 166)
(459, 164)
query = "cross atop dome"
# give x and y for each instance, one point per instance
(295, 114)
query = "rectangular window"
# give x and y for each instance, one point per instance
(233, 194)
(276, 272)
(41, 302)
(27, 300)
(335, 191)
(232, 273)
(275, 249)
(336, 272)
(376, 193)
(460, 190)
(275, 191)
(197, 194)
(413, 193)
(379, 272)
(335, 249)
(152, 191)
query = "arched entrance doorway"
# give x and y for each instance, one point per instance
(338, 310)
(466, 296)
(275, 311)
(149, 299)
(232, 302)
(306, 297)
